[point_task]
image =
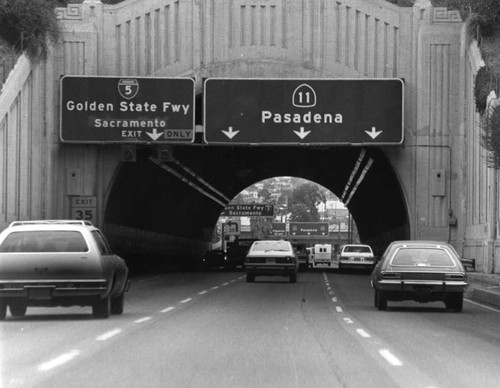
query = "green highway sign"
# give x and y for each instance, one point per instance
(127, 110)
(279, 228)
(265, 210)
(308, 228)
(304, 111)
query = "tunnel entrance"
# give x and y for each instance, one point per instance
(161, 213)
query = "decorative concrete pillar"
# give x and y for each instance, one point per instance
(438, 117)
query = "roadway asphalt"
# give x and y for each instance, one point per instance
(484, 288)
(213, 329)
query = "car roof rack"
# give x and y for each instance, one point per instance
(51, 222)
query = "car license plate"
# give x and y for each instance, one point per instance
(40, 293)
(423, 290)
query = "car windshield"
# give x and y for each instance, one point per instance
(422, 257)
(357, 249)
(44, 241)
(271, 246)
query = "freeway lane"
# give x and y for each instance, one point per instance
(215, 330)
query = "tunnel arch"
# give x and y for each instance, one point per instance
(162, 213)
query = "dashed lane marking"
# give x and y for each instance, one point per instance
(58, 361)
(141, 320)
(390, 358)
(108, 335)
(72, 354)
(363, 333)
(385, 353)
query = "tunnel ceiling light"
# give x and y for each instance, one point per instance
(353, 174)
(201, 180)
(187, 181)
(360, 179)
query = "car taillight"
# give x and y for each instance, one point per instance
(391, 275)
(454, 276)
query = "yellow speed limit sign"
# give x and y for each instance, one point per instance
(84, 209)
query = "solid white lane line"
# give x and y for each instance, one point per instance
(202, 292)
(186, 300)
(339, 309)
(482, 305)
(108, 335)
(58, 361)
(167, 309)
(363, 333)
(390, 358)
(141, 320)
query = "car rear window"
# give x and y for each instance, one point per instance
(44, 241)
(357, 249)
(422, 257)
(271, 246)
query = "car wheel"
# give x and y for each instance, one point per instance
(3, 310)
(381, 300)
(250, 278)
(102, 308)
(18, 309)
(117, 304)
(293, 278)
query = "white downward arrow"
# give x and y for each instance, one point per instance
(302, 134)
(155, 135)
(230, 133)
(373, 133)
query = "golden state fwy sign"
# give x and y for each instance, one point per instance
(127, 110)
(304, 111)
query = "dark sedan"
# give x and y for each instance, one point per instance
(423, 271)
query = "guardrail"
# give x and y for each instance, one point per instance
(469, 263)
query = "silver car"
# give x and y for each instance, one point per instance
(59, 263)
(271, 258)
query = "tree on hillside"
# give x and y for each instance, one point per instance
(301, 213)
(310, 196)
(29, 26)
(481, 14)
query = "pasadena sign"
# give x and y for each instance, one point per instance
(304, 111)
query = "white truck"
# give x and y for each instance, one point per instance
(322, 255)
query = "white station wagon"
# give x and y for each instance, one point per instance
(59, 263)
